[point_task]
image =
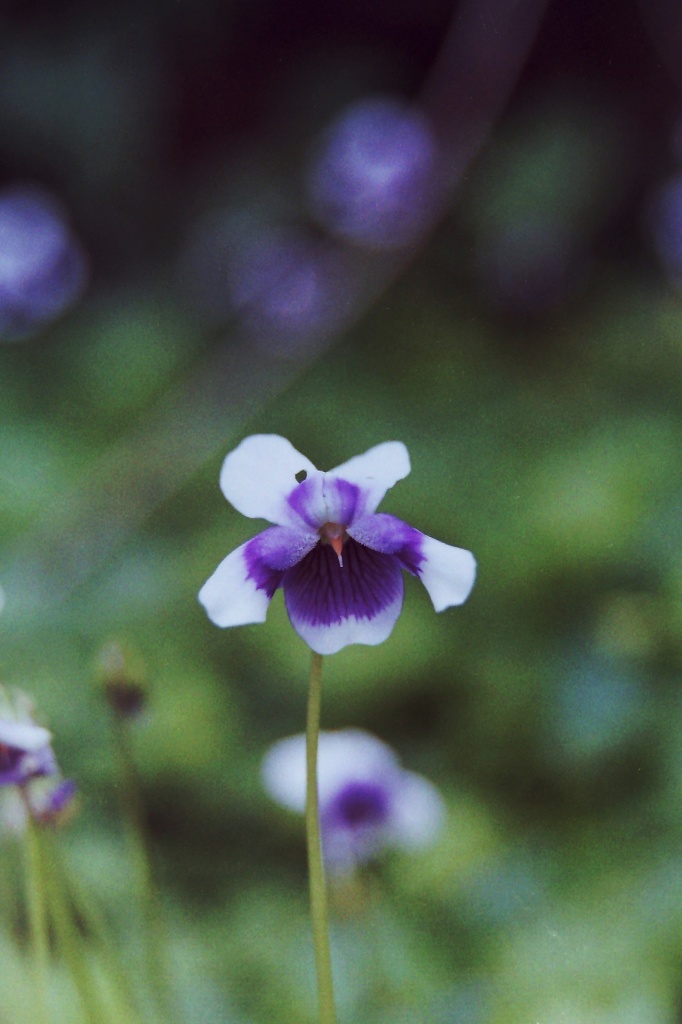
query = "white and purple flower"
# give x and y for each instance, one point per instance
(367, 801)
(25, 748)
(30, 781)
(338, 560)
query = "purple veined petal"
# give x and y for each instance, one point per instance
(260, 474)
(241, 588)
(383, 532)
(373, 473)
(331, 605)
(417, 812)
(307, 505)
(230, 597)
(447, 572)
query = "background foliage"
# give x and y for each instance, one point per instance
(530, 356)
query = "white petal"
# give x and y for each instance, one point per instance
(24, 736)
(229, 597)
(260, 473)
(352, 755)
(418, 811)
(329, 639)
(374, 472)
(283, 772)
(447, 572)
(347, 755)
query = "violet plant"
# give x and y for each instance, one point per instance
(339, 563)
(368, 802)
(64, 925)
(34, 796)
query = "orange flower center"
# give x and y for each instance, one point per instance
(334, 533)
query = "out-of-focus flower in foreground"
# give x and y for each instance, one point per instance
(367, 801)
(372, 180)
(42, 266)
(29, 774)
(25, 748)
(338, 560)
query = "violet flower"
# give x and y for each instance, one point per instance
(338, 560)
(25, 750)
(30, 781)
(367, 801)
(43, 269)
(372, 181)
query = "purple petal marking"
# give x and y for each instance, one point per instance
(324, 499)
(10, 765)
(307, 502)
(356, 823)
(344, 501)
(18, 766)
(320, 592)
(272, 552)
(358, 805)
(384, 533)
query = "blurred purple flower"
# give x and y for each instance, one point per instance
(372, 180)
(338, 560)
(367, 801)
(42, 267)
(665, 226)
(25, 748)
(29, 776)
(284, 284)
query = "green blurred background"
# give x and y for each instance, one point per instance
(528, 351)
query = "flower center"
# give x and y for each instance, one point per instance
(9, 757)
(361, 804)
(334, 534)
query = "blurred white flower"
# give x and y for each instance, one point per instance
(367, 801)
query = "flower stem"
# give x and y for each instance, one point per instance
(318, 887)
(152, 918)
(36, 906)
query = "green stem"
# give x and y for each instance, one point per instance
(83, 908)
(318, 887)
(36, 906)
(70, 942)
(152, 917)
